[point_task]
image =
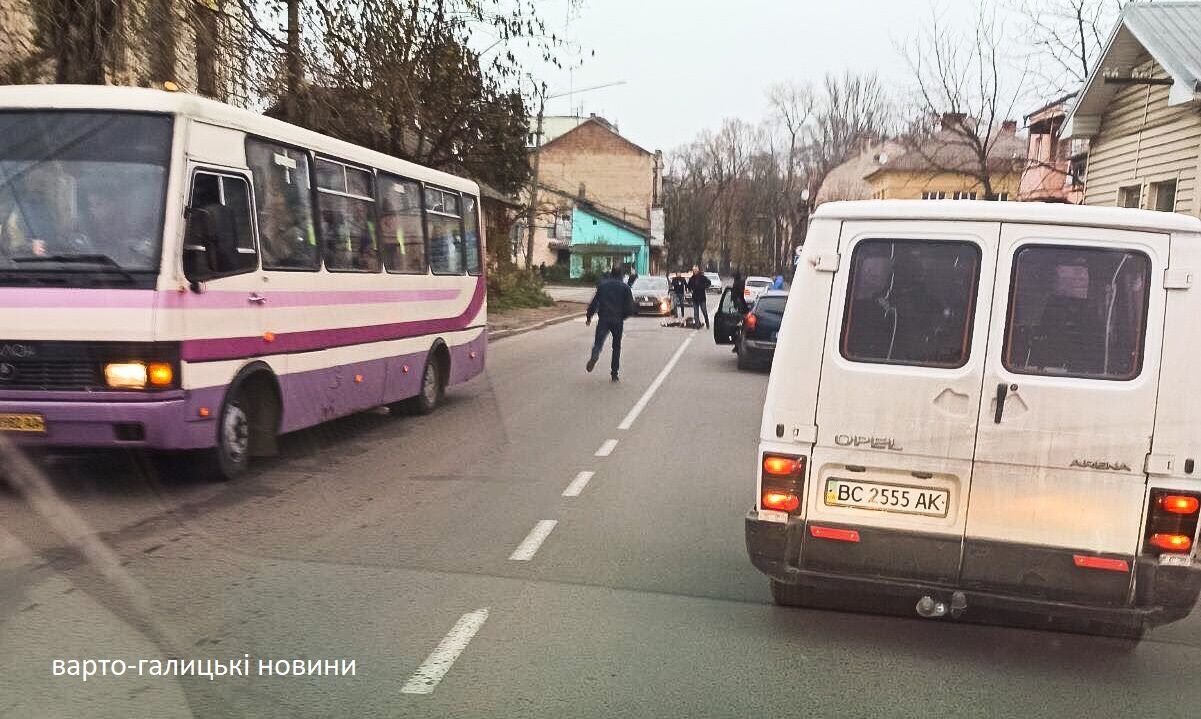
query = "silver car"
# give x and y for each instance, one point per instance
(715, 285)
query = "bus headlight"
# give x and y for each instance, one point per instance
(125, 375)
(137, 375)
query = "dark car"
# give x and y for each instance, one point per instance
(753, 334)
(652, 295)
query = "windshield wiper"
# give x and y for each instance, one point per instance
(104, 261)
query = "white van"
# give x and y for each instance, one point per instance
(988, 405)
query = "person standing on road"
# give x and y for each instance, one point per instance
(679, 286)
(778, 283)
(699, 285)
(738, 293)
(612, 304)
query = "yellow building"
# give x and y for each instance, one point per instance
(943, 167)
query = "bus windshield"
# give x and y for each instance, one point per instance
(82, 192)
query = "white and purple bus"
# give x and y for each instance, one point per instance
(177, 274)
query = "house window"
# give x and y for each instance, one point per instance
(934, 195)
(965, 195)
(552, 230)
(1130, 196)
(1165, 195)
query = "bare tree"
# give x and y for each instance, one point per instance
(792, 110)
(961, 101)
(1065, 39)
(852, 111)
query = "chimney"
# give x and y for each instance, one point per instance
(1009, 127)
(952, 119)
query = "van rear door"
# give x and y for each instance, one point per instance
(899, 398)
(1070, 388)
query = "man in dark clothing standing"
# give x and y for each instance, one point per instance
(679, 286)
(698, 284)
(612, 303)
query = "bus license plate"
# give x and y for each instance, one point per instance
(22, 423)
(900, 498)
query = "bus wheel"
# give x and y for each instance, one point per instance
(231, 456)
(433, 388)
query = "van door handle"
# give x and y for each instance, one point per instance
(1002, 393)
(256, 298)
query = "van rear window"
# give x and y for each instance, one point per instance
(911, 302)
(1077, 312)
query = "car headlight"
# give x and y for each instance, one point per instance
(136, 375)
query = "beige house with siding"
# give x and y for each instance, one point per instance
(1140, 109)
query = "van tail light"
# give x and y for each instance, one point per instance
(1171, 521)
(1171, 542)
(782, 478)
(1178, 504)
(750, 321)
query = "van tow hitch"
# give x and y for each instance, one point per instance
(931, 608)
(958, 604)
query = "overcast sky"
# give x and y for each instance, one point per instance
(688, 64)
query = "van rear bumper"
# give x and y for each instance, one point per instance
(1163, 593)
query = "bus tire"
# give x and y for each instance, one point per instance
(246, 427)
(433, 385)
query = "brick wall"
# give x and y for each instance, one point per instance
(615, 173)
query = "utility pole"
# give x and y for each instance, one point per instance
(532, 211)
(531, 214)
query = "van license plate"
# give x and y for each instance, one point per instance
(900, 498)
(22, 423)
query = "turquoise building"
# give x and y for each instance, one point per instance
(599, 241)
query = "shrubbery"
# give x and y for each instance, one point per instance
(559, 274)
(510, 287)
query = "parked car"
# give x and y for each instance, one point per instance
(715, 285)
(756, 336)
(652, 295)
(995, 412)
(755, 286)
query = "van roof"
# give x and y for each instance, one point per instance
(140, 99)
(1031, 212)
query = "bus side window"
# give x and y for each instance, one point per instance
(219, 222)
(442, 212)
(402, 234)
(471, 235)
(287, 232)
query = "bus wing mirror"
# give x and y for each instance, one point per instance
(199, 246)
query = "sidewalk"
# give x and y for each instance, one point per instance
(570, 293)
(514, 322)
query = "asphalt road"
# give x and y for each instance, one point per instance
(387, 540)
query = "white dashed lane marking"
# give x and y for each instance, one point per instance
(577, 485)
(529, 546)
(650, 391)
(607, 448)
(439, 662)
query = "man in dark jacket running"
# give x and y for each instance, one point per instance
(612, 303)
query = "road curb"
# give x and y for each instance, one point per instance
(501, 334)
